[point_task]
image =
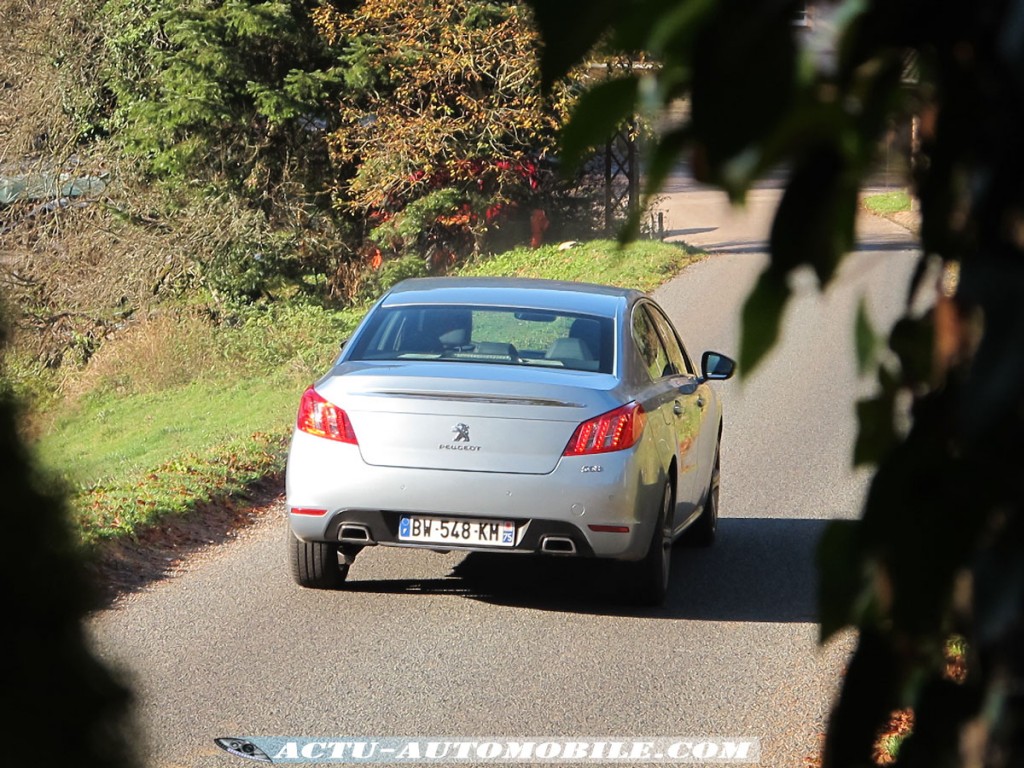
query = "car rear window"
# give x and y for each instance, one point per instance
(493, 335)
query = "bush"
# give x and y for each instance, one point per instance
(374, 282)
(249, 262)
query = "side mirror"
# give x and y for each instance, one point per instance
(716, 366)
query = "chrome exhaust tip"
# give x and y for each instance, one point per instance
(558, 545)
(351, 533)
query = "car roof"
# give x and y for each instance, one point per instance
(528, 293)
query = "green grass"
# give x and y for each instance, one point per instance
(185, 413)
(887, 203)
(112, 438)
(643, 265)
(192, 480)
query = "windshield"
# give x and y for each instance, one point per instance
(497, 335)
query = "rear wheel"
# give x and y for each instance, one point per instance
(316, 564)
(648, 582)
(702, 533)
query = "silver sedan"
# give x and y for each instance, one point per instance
(508, 415)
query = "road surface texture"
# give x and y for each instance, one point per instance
(433, 645)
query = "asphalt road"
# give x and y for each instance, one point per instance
(445, 645)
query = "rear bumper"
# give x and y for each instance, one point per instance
(563, 504)
(373, 527)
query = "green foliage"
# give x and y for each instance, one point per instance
(228, 104)
(940, 547)
(891, 744)
(231, 91)
(762, 318)
(814, 222)
(865, 340)
(297, 93)
(403, 230)
(245, 266)
(30, 382)
(443, 115)
(296, 336)
(392, 271)
(418, 128)
(583, 23)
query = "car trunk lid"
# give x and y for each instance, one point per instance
(466, 417)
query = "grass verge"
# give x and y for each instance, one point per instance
(183, 414)
(888, 203)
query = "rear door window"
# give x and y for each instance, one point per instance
(649, 344)
(673, 347)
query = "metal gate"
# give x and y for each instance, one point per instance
(621, 161)
(621, 177)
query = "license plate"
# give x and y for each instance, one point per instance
(455, 532)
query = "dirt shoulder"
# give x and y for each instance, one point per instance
(909, 220)
(122, 567)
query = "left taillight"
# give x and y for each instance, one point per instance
(323, 419)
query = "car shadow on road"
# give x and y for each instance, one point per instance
(759, 570)
(669, 233)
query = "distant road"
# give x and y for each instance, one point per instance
(445, 645)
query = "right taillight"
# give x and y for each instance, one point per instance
(323, 419)
(612, 431)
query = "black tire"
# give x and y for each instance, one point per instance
(703, 532)
(648, 582)
(315, 564)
